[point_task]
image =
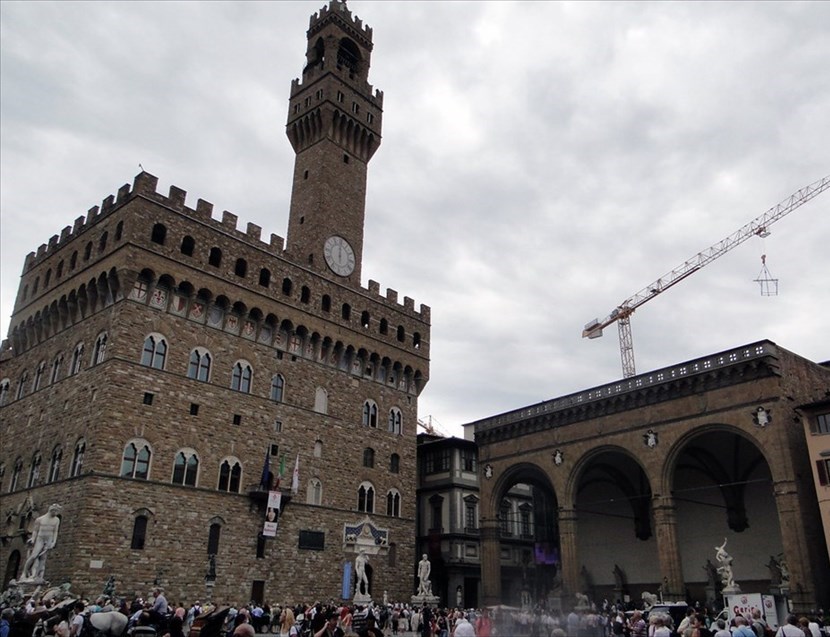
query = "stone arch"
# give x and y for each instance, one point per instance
(722, 487)
(524, 547)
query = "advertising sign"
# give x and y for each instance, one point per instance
(745, 603)
(272, 512)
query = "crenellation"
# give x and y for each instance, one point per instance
(426, 313)
(41, 250)
(66, 233)
(145, 183)
(106, 207)
(391, 295)
(53, 241)
(204, 210)
(409, 303)
(79, 223)
(277, 243)
(29, 261)
(123, 194)
(253, 231)
(374, 287)
(229, 220)
(176, 197)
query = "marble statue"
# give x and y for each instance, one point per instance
(649, 600)
(424, 570)
(725, 568)
(774, 567)
(43, 540)
(362, 584)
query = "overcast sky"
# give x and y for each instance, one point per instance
(541, 162)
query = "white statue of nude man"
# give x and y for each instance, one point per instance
(44, 537)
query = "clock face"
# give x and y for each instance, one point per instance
(339, 255)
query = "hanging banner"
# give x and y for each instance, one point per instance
(346, 592)
(272, 512)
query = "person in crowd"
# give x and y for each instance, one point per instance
(330, 628)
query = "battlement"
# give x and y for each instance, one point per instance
(339, 9)
(145, 185)
(375, 94)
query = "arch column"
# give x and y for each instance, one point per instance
(567, 545)
(490, 562)
(668, 551)
(796, 550)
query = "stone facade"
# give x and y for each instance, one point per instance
(652, 472)
(150, 333)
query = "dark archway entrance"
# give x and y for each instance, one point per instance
(529, 547)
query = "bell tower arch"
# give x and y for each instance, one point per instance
(334, 125)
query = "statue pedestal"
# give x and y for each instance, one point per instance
(732, 590)
(419, 600)
(364, 599)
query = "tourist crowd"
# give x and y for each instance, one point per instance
(155, 617)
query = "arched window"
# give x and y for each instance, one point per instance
(215, 257)
(185, 468)
(136, 461)
(384, 326)
(366, 498)
(55, 464)
(188, 245)
(77, 359)
(346, 312)
(59, 270)
(321, 401)
(159, 233)
(286, 286)
(241, 267)
(213, 538)
(325, 303)
(18, 469)
(401, 335)
(78, 458)
(364, 320)
(119, 231)
(41, 369)
(314, 492)
(199, 366)
(241, 377)
(87, 252)
(369, 458)
(370, 414)
(277, 387)
(394, 463)
(393, 503)
(73, 260)
(47, 278)
(305, 294)
(154, 352)
(102, 242)
(100, 350)
(416, 340)
(22, 384)
(230, 475)
(265, 277)
(318, 448)
(5, 386)
(395, 421)
(139, 533)
(56, 369)
(34, 470)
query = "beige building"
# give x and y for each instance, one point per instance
(158, 356)
(816, 421)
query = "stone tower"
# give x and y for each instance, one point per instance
(167, 362)
(334, 123)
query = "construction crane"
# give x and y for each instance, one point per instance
(757, 227)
